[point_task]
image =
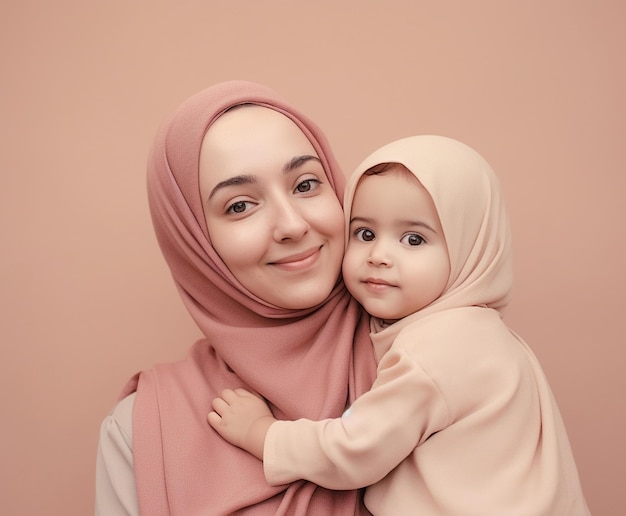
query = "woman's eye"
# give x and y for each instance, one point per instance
(364, 235)
(412, 239)
(307, 185)
(238, 207)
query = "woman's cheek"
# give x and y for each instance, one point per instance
(336, 221)
(339, 234)
(239, 244)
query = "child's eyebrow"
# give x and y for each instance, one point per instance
(418, 223)
(408, 223)
(363, 220)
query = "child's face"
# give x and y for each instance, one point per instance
(397, 260)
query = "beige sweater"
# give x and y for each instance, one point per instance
(460, 421)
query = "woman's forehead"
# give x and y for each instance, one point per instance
(255, 141)
(255, 130)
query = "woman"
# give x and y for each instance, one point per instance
(245, 208)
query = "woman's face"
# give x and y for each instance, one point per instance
(271, 212)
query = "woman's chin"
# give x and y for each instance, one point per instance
(302, 296)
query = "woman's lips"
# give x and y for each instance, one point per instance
(299, 261)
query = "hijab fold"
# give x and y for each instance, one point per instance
(306, 363)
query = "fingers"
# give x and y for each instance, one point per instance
(214, 419)
(219, 405)
(230, 395)
(230, 400)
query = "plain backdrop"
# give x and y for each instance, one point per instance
(85, 297)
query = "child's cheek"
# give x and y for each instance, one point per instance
(349, 267)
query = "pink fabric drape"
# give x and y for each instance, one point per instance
(306, 363)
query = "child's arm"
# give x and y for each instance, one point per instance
(402, 409)
(242, 418)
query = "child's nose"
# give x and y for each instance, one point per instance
(379, 257)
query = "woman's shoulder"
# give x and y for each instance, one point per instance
(119, 423)
(115, 481)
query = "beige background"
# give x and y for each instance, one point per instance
(85, 298)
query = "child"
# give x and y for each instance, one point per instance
(460, 419)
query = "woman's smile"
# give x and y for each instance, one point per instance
(299, 261)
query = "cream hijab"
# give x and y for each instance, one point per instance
(467, 197)
(471, 210)
(306, 363)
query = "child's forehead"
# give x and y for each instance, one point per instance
(392, 169)
(389, 203)
(395, 182)
(388, 166)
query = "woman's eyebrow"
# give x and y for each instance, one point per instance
(298, 161)
(291, 165)
(231, 181)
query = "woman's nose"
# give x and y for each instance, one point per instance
(290, 224)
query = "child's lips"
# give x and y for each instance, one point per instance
(377, 284)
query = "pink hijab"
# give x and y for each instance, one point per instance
(307, 363)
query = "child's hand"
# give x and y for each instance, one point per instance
(242, 418)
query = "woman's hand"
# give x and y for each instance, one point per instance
(242, 418)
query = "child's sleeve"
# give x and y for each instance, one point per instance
(403, 408)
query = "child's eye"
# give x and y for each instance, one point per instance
(413, 239)
(364, 235)
(239, 207)
(307, 185)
